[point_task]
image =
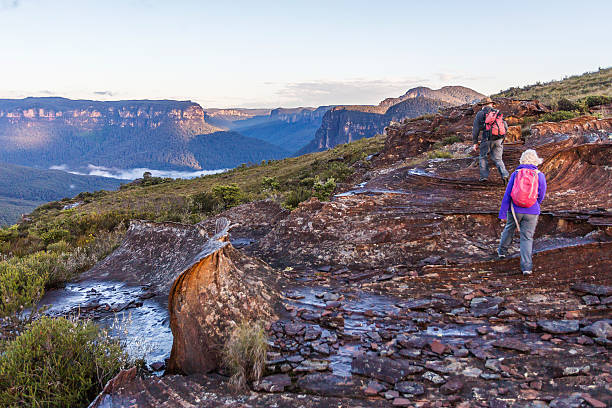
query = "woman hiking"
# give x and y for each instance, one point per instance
(521, 207)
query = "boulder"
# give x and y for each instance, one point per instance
(220, 288)
(559, 326)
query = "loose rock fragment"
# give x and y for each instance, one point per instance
(273, 383)
(407, 387)
(559, 326)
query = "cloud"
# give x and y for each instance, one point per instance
(355, 91)
(451, 78)
(9, 4)
(132, 174)
(104, 93)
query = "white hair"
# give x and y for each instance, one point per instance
(530, 156)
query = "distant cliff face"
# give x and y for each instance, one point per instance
(287, 128)
(299, 114)
(157, 134)
(344, 124)
(187, 116)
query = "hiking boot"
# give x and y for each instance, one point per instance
(500, 255)
(526, 272)
(482, 179)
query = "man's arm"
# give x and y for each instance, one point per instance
(476, 126)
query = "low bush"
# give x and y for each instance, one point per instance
(270, 184)
(58, 363)
(565, 104)
(558, 116)
(440, 154)
(323, 191)
(594, 100)
(229, 195)
(295, 197)
(59, 247)
(244, 353)
(450, 140)
(21, 287)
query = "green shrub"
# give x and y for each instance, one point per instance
(229, 195)
(58, 363)
(295, 197)
(307, 182)
(323, 191)
(594, 100)
(8, 233)
(54, 235)
(450, 140)
(565, 104)
(21, 287)
(270, 184)
(338, 170)
(244, 353)
(59, 247)
(558, 116)
(440, 154)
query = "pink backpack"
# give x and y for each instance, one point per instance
(525, 189)
(494, 122)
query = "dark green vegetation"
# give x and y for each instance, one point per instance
(573, 88)
(224, 150)
(12, 208)
(58, 363)
(24, 188)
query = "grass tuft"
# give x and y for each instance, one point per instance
(244, 353)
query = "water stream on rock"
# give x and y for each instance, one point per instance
(144, 329)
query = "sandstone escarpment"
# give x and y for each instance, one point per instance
(120, 134)
(344, 124)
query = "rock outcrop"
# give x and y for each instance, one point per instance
(412, 137)
(151, 254)
(219, 289)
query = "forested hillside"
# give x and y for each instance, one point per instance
(24, 188)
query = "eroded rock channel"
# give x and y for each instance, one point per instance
(390, 294)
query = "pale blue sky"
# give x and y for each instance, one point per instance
(290, 53)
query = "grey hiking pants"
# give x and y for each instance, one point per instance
(497, 149)
(528, 223)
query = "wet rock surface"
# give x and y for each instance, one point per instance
(391, 293)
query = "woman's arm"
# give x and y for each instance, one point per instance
(505, 204)
(541, 187)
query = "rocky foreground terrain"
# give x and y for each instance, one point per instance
(390, 293)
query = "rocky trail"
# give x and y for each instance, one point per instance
(390, 293)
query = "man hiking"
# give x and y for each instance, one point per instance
(493, 128)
